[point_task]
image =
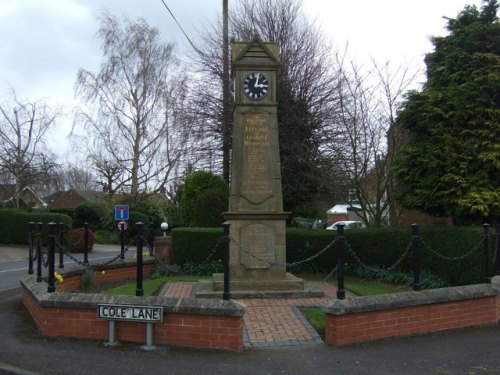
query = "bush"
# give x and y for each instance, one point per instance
(199, 188)
(377, 247)
(76, 242)
(193, 245)
(90, 212)
(14, 224)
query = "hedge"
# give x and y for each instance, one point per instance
(374, 247)
(14, 226)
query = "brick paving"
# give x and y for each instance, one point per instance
(272, 322)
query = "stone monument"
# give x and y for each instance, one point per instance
(258, 222)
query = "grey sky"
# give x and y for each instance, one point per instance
(45, 42)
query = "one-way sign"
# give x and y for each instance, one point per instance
(121, 212)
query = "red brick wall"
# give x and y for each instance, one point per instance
(72, 282)
(207, 331)
(366, 326)
(182, 329)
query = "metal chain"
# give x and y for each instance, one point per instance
(460, 257)
(372, 268)
(270, 264)
(332, 272)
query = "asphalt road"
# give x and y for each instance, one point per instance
(11, 270)
(24, 351)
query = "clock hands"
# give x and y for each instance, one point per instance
(259, 85)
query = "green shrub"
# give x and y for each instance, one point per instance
(377, 247)
(193, 245)
(14, 224)
(195, 193)
(209, 208)
(90, 212)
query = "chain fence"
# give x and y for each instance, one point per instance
(38, 253)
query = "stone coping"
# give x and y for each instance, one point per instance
(406, 299)
(90, 301)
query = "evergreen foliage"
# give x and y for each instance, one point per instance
(450, 164)
(204, 198)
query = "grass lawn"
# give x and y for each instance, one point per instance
(359, 287)
(150, 287)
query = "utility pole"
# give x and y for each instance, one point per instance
(226, 104)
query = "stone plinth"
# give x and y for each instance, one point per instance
(163, 249)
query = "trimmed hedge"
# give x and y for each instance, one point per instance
(374, 247)
(193, 245)
(14, 224)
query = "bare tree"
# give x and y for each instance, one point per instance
(136, 107)
(357, 140)
(23, 128)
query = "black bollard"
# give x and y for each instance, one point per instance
(416, 257)
(85, 243)
(226, 295)
(139, 227)
(487, 278)
(340, 272)
(52, 257)
(60, 230)
(151, 236)
(122, 241)
(31, 245)
(39, 252)
(497, 247)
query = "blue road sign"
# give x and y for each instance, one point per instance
(121, 212)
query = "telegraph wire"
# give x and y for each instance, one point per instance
(180, 27)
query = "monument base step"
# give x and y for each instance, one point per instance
(291, 287)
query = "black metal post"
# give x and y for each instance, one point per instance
(52, 257)
(60, 230)
(340, 272)
(497, 247)
(122, 241)
(85, 243)
(487, 278)
(139, 228)
(416, 257)
(39, 252)
(226, 295)
(151, 236)
(31, 244)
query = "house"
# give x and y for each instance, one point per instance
(27, 197)
(68, 200)
(341, 212)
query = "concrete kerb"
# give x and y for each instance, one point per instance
(406, 299)
(13, 253)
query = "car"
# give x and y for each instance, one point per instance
(348, 224)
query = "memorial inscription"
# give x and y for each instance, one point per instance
(258, 241)
(256, 184)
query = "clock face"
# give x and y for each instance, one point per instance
(256, 86)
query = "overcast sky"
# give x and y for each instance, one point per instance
(45, 42)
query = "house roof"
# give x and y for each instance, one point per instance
(7, 192)
(343, 208)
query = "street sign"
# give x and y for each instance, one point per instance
(119, 225)
(121, 212)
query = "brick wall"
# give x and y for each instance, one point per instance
(128, 271)
(370, 318)
(186, 322)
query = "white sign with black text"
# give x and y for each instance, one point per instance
(152, 314)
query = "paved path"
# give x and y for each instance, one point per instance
(272, 322)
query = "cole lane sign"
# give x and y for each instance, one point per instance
(151, 314)
(121, 212)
